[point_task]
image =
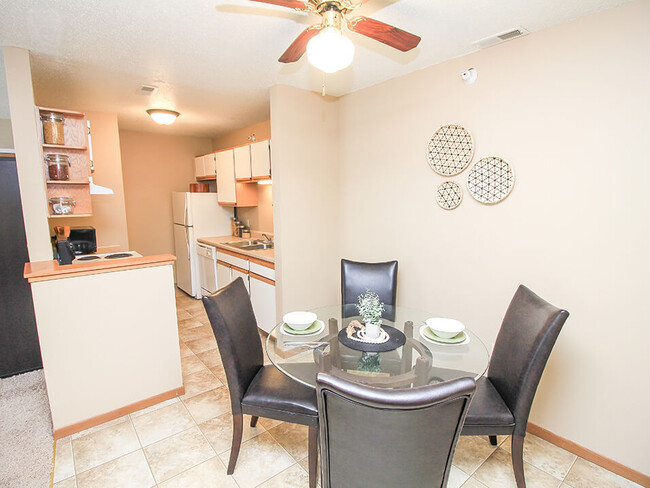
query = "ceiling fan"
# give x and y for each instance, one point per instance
(326, 46)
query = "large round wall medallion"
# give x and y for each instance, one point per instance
(490, 180)
(449, 195)
(450, 150)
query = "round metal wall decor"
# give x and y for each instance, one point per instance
(449, 195)
(450, 150)
(490, 180)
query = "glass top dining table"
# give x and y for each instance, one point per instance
(419, 361)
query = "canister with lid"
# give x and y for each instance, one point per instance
(53, 128)
(58, 167)
(61, 205)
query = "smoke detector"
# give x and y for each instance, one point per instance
(501, 37)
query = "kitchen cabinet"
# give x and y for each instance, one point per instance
(239, 273)
(224, 276)
(261, 160)
(253, 162)
(259, 278)
(231, 266)
(205, 167)
(230, 192)
(262, 291)
(75, 147)
(242, 163)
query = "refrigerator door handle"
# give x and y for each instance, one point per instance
(187, 242)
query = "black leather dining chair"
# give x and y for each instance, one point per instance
(504, 397)
(384, 438)
(357, 277)
(255, 389)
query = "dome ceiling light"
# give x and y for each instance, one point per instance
(162, 116)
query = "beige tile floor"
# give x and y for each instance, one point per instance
(185, 442)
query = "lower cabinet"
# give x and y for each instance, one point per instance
(259, 278)
(237, 273)
(263, 300)
(223, 274)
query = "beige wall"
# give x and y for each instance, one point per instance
(153, 167)
(262, 130)
(109, 211)
(568, 108)
(25, 128)
(260, 217)
(305, 180)
(6, 137)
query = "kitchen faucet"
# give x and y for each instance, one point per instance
(267, 239)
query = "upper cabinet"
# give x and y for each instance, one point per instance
(261, 160)
(205, 167)
(253, 162)
(235, 170)
(243, 163)
(226, 178)
(230, 192)
(66, 160)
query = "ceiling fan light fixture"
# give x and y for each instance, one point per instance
(162, 116)
(330, 51)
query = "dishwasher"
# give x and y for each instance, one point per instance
(207, 268)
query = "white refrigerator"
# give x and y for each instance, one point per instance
(195, 215)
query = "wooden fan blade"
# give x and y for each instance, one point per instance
(298, 5)
(389, 35)
(299, 46)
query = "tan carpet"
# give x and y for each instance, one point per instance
(25, 432)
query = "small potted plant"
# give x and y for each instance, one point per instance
(370, 308)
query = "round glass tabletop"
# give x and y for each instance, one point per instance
(421, 360)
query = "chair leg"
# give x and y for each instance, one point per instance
(237, 430)
(254, 421)
(313, 456)
(518, 460)
(493, 440)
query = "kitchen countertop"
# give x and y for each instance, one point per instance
(219, 242)
(52, 270)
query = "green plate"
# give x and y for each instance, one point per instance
(428, 333)
(313, 328)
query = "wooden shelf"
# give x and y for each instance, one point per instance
(63, 146)
(69, 113)
(67, 182)
(67, 216)
(206, 178)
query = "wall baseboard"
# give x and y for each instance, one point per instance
(114, 414)
(589, 455)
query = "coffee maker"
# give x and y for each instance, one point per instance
(64, 248)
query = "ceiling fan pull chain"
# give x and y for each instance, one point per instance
(323, 86)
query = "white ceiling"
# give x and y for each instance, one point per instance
(214, 61)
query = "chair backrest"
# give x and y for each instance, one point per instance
(234, 326)
(373, 437)
(524, 343)
(356, 277)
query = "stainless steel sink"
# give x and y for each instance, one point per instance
(252, 245)
(241, 244)
(255, 247)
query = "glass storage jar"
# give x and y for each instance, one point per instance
(53, 128)
(58, 167)
(61, 205)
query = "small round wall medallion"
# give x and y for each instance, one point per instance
(490, 180)
(449, 195)
(450, 150)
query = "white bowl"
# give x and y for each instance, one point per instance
(299, 320)
(445, 328)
